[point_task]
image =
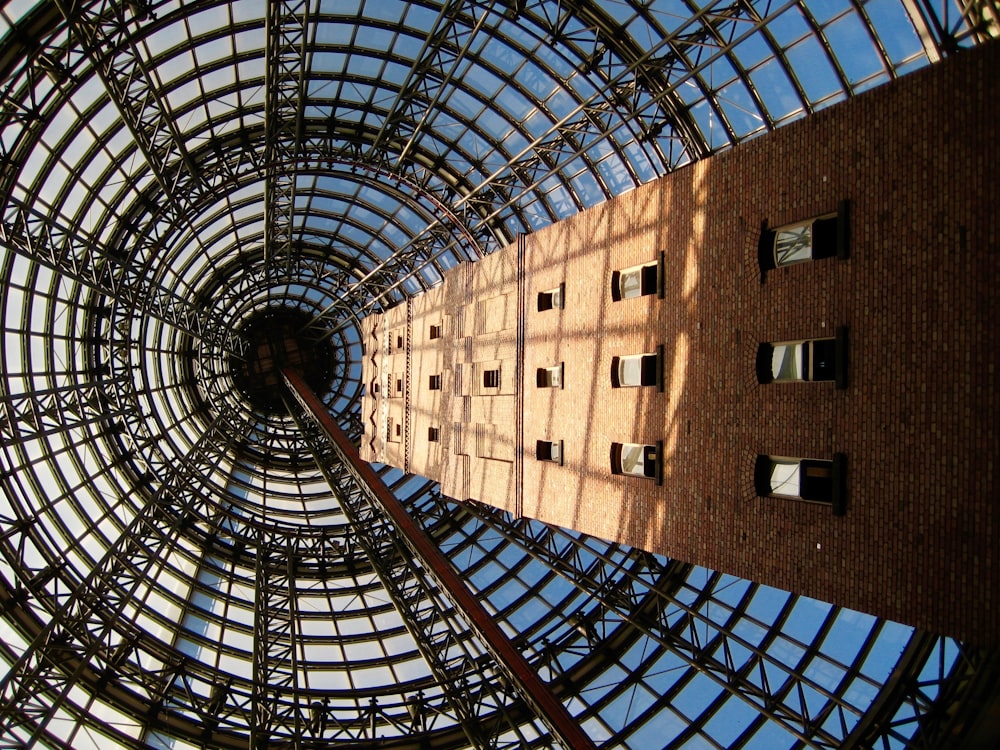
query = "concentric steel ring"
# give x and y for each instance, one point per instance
(175, 175)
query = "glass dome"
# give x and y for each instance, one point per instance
(192, 189)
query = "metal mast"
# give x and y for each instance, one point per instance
(374, 492)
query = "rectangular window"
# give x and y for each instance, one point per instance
(638, 370)
(435, 332)
(491, 378)
(396, 341)
(638, 460)
(394, 388)
(793, 244)
(552, 299)
(395, 431)
(812, 360)
(813, 239)
(638, 281)
(549, 377)
(814, 480)
(549, 450)
(435, 382)
(433, 434)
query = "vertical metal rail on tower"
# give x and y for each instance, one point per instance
(515, 667)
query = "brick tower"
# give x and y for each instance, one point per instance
(779, 362)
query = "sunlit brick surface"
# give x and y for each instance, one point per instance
(917, 422)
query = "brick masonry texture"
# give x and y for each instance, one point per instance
(918, 422)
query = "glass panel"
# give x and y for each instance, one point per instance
(631, 284)
(786, 362)
(639, 460)
(630, 370)
(793, 244)
(824, 359)
(785, 477)
(852, 44)
(209, 61)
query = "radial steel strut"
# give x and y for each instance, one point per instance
(534, 690)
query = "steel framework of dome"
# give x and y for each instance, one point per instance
(190, 190)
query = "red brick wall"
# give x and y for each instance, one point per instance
(918, 422)
(427, 358)
(477, 309)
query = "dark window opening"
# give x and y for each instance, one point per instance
(552, 299)
(549, 450)
(435, 332)
(435, 382)
(433, 434)
(491, 379)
